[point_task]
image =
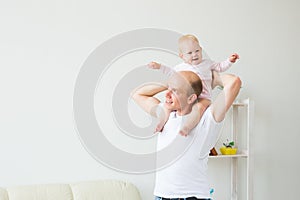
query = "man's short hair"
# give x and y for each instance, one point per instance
(194, 82)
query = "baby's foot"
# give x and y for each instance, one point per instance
(184, 131)
(160, 125)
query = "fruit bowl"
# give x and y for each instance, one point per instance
(228, 150)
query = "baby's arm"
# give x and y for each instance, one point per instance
(193, 118)
(223, 66)
(234, 57)
(165, 70)
(154, 65)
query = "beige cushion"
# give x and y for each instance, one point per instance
(3, 194)
(40, 192)
(90, 190)
(105, 190)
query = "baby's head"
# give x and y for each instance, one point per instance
(190, 50)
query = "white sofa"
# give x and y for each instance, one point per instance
(90, 190)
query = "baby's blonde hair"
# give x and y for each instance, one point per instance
(185, 38)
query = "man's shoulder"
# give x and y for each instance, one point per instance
(207, 113)
(207, 117)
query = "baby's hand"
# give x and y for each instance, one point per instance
(154, 65)
(234, 57)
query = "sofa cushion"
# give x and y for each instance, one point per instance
(105, 190)
(40, 192)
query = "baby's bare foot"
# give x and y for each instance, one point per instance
(184, 131)
(160, 126)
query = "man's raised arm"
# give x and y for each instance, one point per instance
(144, 96)
(224, 100)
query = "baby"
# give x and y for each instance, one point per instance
(190, 52)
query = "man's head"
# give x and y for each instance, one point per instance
(184, 87)
(190, 50)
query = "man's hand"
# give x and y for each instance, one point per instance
(154, 65)
(234, 57)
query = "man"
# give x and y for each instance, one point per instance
(185, 178)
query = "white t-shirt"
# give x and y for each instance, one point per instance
(186, 176)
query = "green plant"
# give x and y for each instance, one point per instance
(228, 144)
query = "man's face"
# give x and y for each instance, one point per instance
(176, 95)
(191, 52)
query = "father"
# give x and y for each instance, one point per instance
(186, 178)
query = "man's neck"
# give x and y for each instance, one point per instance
(184, 111)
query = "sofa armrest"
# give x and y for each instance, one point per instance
(3, 194)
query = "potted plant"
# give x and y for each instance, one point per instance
(228, 148)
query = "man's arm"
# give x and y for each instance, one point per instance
(224, 100)
(144, 97)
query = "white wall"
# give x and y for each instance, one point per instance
(44, 43)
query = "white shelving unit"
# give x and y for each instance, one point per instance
(242, 115)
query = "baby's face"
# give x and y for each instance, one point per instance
(191, 52)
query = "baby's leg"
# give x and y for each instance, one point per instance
(192, 119)
(162, 116)
(216, 80)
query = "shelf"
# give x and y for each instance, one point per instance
(244, 102)
(243, 155)
(241, 117)
(239, 104)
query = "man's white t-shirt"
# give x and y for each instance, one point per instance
(186, 176)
